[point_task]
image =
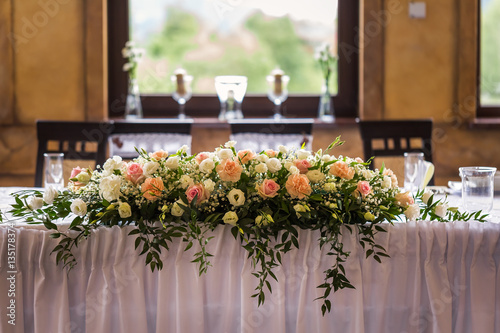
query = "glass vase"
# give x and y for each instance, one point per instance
(325, 109)
(133, 106)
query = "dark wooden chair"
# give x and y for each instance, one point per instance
(73, 138)
(396, 137)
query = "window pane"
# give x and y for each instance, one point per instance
(233, 37)
(490, 52)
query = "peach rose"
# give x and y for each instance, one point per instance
(271, 153)
(229, 170)
(364, 188)
(302, 165)
(359, 160)
(159, 155)
(394, 179)
(152, 188)
(298, 186)
(197, 190)
(200, 157)
(246, 155)
(268, 189)
(342, 169)
(134, 173)
(404, 199)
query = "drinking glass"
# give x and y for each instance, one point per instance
(477, 188)
(230, 87)
(413, 170)
(183, 91)
(53, 165)
(277, 92)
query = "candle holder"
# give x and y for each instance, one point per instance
(183, 91)
(277, 90)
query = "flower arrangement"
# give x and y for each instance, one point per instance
(133, 55)
(264, 197)
(326, 60)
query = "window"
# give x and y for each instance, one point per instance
(222, 37)
(489, 59)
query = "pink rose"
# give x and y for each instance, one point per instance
(197, 190)
(302, 165)
(404, 199)
(246, 155)
(268, 189)
(159, 155)
(75, 172)
(229, 170)
(298, 186)
(271, 153)
(201, 157)
(134, 173)
(364, 188)
(152, 188)
(342, 169)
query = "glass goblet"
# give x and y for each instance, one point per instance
(231, 86)
(183, 92)
(277, 92)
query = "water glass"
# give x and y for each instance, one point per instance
(53, 166)
(413, 170)
(477, 188)
(231, 87)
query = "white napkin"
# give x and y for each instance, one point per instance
(428, 173)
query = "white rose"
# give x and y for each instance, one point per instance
(209, 185)
(315, 176)
(83, 177)
(224, 154)
(261, 168)
(79, 207)
(302, 154)
(294, 170)
(262, 158)
(113, 163)
(50, 194)
(207, 165)
(283, 149)
(329, 187)
(173, 162)
(441, 210)
(230, 218)
(426, 196)
(186, 181)
(176, 209)
(35, 203)
(273, 164)
(386, 182)
(236, 197)
(124, 210)
(325, 158)
(149, 168)
(412, 212)
(288, 165)
(367, 174)
(184, 149)
(230, 144)
(109, 188)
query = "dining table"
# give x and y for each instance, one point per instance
(439, 277)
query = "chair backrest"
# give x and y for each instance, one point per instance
(261, 134)
(71, 138)
(151, 135)
(396, 137)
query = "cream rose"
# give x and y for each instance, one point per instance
(330, 187)
(186, 181)
(283, 149)
(109, 187)
(263, 158)
(426, 196)
(149, 168)
(441, 210)
(35, 203)
(79, 207)
(113, 163)
(261, 168)
(209, 185)
(50, 194)
(207, 165)
(124, 210)
(303, 154)
(172, 162)
(274, 165)
(176, 209)
(230, 218)
(225, 154)
(386, 182)
(315, 176)
(236, 197)
(412, 212)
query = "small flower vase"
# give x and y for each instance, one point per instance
(325, 109)
(133, 106)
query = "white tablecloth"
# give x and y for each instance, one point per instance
(441, 277)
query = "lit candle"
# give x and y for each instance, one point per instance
(278, 86)
(179, 74)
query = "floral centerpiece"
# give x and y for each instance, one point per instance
(264, 197)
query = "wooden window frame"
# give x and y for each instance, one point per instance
(254, 105)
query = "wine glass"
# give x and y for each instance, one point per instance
(413, 170)
(277, 91)
(54, 170)
(231, 86)
(183, 91)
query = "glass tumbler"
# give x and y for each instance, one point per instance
(477, 188)
(413, 170)
(53, 166)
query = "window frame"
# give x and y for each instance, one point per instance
(254, 105)
(482, 111)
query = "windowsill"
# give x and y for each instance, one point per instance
(485, 123)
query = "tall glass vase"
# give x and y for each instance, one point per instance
(325, 110)
(133, 106)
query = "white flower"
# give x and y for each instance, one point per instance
(149, 168)
(173, 162)
(113, 163)
(224, 154)
(124, 210)
(412, 212)
(83, 177)
(176, 209)
(294, 170)
(236, 197)
(300, 208)
(109, 187)
(288, 165)
(302, 154)
(186, 181)
(273, 164)
(50, 194)
(230, 144)
(209, 185)
(127, 66)
(329, 187)
(326, 158)
(315, 176)
(283, 149)
(386, 182)
(183, 149)
(261, 168)
(262, 158)
(207, 165)
(230, 218)
(79, 207)
(368, 174)
(35, 203)
(426, 196)
(441, 210)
